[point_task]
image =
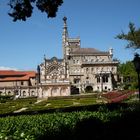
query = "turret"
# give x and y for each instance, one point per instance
(64, 37)
(111, 52)
(38, 74)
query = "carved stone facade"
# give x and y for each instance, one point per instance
(53, 78)
(86, 69)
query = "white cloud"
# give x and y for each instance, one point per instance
(7, 68)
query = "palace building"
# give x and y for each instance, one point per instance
(80, 70)
(85, 69)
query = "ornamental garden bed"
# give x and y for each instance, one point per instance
(119, 123)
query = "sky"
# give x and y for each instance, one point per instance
(97, 23)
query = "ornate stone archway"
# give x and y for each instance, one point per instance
(63, 91)
(55, 91)
(89, 89)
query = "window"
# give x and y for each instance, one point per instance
(112, 69)
(22, 83)
(98, 79)
(77, 61)
(76, 81)
(24, 93)
(105, 79)
(32, 93)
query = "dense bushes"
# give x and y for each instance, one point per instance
(49, 126)
(5, 98)
(99, 124)
(8, 105)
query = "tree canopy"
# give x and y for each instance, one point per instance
(127, 71)
(23, 9)
(133, 37)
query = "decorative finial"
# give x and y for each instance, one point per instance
(111, 51)
(44, 56)
(64, 18)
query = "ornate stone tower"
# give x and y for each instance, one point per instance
(64, 37)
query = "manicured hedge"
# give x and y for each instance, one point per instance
(99, 124)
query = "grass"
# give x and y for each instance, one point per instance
(30, 103)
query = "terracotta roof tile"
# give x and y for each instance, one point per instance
(11, 75)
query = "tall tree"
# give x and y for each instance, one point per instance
(133, 37)
(22, 9)
(127, 71)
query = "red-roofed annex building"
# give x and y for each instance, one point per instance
(22, 83)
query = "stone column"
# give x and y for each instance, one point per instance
(110, 81)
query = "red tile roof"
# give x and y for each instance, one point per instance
(11, 75)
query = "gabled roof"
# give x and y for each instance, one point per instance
(54, 59)
(89, 51)
(11, 75)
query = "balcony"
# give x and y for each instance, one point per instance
(98, 62)
(76, 73)
(55, 82)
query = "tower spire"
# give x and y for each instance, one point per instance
(64, 36)
(65, 30)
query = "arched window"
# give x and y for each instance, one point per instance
(9, 92)
(87, 70)
(24, 93)
(54, 92)
(63, 91)
(89, 89)
(98, 79)
(32, 93)
(105, 79)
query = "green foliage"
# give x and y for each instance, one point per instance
(29, 103)
(133, 37)
(12, 105)
(127, 71)
(70, 125)
(5, 98)
(45, 126)
(22, 9)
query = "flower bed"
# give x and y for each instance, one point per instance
(117, 96)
